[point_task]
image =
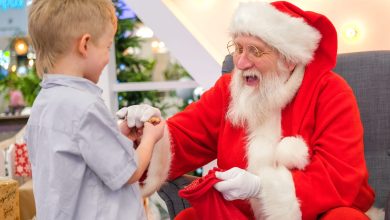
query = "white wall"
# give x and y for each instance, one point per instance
(209, 20)
(182, 44)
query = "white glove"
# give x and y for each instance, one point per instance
(238, 184)
(138, 114)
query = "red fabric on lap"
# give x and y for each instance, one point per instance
(345, 213)
(208, 202)
(187, 214)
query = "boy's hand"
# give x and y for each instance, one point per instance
(154, 131)
(123, 128)
(133, 134)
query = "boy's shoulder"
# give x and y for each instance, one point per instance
(63, 106)
(67, 98)
(72, 96)
(71, 90)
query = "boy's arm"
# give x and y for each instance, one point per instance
(109, 154)
(151, 134)
(144, 154)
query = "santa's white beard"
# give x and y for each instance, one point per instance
(251, 105)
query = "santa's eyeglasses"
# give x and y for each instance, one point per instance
(253, 52)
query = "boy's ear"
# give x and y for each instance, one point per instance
(83, 44)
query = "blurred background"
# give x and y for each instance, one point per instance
(166, 53)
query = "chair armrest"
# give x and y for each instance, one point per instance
(169, 193)
(387, 208)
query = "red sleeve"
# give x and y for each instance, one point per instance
(194, 132)
(337, 173)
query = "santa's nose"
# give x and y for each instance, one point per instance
(243, 63)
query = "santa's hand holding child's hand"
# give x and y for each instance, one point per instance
(132, 120)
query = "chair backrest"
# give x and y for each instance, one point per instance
(227, 65)
(368, 73)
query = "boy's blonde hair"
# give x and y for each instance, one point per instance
(54, 24)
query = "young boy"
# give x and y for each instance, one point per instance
(83, 167)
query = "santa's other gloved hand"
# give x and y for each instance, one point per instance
(137, 115)
(238, 184)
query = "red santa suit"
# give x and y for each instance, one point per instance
(316, 138)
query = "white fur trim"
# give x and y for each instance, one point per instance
(375, 214)
(291, 36)
(292, 85)
(262, 142)
(292, 152)
(159, 165)
(277, 199)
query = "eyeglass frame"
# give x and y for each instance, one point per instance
(260, 53)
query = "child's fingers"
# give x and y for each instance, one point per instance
(124, 129)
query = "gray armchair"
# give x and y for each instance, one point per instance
(368, 73)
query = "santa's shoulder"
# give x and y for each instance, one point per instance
(334, 82)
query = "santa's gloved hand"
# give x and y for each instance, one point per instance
(136, 115)
(238, 184)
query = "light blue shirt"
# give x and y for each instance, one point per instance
(80, 160)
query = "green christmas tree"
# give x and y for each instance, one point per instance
(27, 83)
(131, 68)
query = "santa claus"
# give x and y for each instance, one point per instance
(282, 125)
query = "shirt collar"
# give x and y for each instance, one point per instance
(52, 80)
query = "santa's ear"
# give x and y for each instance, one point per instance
(291, 66)
(83, 44)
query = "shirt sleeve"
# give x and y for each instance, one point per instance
(195, 131)
(105, 150)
